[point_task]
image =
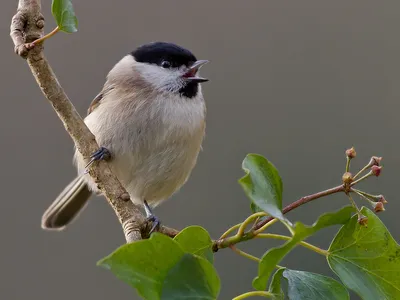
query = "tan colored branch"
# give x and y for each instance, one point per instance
(26, 26)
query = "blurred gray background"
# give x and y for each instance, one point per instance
(297, 81)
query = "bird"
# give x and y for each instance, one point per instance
(149, 122)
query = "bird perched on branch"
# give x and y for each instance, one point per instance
(149, 120)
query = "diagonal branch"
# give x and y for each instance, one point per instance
(26, 26)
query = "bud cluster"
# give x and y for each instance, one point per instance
(349, 181)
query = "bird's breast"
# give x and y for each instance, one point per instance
(154, 143)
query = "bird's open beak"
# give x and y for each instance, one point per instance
(193, 69)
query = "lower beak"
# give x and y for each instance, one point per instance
(193, 69)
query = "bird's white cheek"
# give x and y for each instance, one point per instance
(161, 79)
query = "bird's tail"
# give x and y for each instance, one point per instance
(67, 205)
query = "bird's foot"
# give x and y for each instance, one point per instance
(151, 217)
(101, 154)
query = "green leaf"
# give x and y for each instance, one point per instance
(64, 15)
(275, 286)
(306, 285)
(144, 264)
(254, 208)
(263, 185)
(367, 259)
(159, 267)
(196, 240)
(274, 255)
(193, 277)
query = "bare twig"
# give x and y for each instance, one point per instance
(27, 26)
(302, 201)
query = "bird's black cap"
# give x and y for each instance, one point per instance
(157, 52)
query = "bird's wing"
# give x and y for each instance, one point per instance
(97, 100)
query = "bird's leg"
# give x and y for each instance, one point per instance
(101, 154)
(151, 217)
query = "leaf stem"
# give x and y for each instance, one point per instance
(248, 221)
(244, 254)
(225, 241)
(45, 37)
(289, 227)
(258, 231)
(254, 294)
(230, 230)
(302, 243)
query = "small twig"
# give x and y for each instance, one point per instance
(303, 201)
(361, 178)
(348, 159)
(375, 197)
(361, 171)
(363, 196)
(374, 161)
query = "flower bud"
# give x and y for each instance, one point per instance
(375, 161)
(362, 220)
(347, 178)
(379, 207)
(382, 199)
(376, 170)
(351, 153)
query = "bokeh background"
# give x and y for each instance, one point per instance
(297, 81)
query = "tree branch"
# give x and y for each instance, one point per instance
(301, 201)
(26, 26)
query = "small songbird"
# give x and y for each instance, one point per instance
(149, 120)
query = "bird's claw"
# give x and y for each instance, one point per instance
(101, 154)
(156, 223)
(151, 218)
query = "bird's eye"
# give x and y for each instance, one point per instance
(165, 64)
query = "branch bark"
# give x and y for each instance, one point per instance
(301, 201)
(26, 26)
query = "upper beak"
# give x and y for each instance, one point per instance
(193, 69)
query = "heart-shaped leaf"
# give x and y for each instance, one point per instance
(367, 259)
(64, 15)
(275, 287)
(144, 264)
(263, 185)
(200, 280)
(196, 240)
(274, 255)
(159, 267)
(311, 286)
